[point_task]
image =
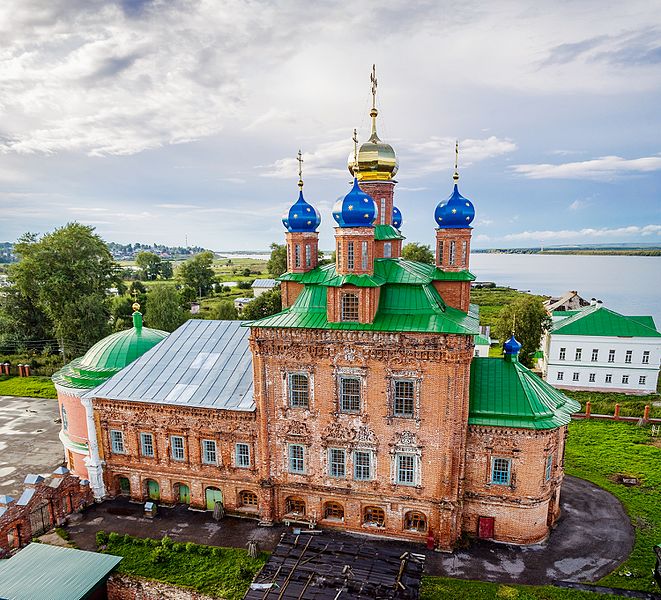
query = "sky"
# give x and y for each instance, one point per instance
(180, 120)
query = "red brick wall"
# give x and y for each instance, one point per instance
(357, 235)
(302, 239)
(368, 302)
(289, 291)
(379, 190)
(455, 293)
(461, 258)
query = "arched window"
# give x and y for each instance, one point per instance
(350, 307)
(295, 505)
(333, 510)
(415, 521)
(65, 419)
(374, 516)
(248, 499)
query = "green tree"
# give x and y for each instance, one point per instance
(67, 273)
(225, 311)
(528, 319)
(166, 269)
(277, 264)
(21, 320)
(418, 253)
(269, 303)
(197, 274)
(150, 264)
(121, 311)
(164, 309)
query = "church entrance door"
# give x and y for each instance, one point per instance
(485, 527)
(213, 495)
(153, 490)
(184, 493)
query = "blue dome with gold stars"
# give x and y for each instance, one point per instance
(512, 346)
(396, 218)
(455, 212)
(356, 209)
(301, 216)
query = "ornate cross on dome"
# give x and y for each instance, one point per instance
(355, 152)
(456, 161)
(374, 84)
(299, 158)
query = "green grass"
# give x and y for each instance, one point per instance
(223, 572)
(597, 450)
(32, 387)
(492, 300)
(441, 588)
(603, 403)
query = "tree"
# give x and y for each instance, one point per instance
(225, 311)
(269, 303)
(150, 264)
(197, 274)
(121, 311)
(67, 274)
(164, 309)
(21, 320)
(277, 264)
(166, 269)
(418, 253)
(527, 318)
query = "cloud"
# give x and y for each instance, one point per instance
(325, 159)
(579, 204)
(604, 232)
(177, 206)
(605, 168)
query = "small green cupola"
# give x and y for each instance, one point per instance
(109, 355)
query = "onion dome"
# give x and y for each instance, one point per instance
(356, 209)
(396, 218)
(455, 212)
(512, 346)
(110, 355)
(301, 216)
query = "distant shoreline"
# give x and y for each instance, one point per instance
(577, 251)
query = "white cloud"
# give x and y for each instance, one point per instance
(326, 159)
(605, 168)
(604, 232)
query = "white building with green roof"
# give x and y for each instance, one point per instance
(596, 348)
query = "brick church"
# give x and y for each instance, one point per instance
(360, 406)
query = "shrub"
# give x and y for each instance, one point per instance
(101, 538)
(167, 542)
(159, 555)
(191, 547)
(178, 547)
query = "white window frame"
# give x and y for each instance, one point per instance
(364, 255)
(611, 356)
(575, 376)
(628, 356)
(411, 468)
(337, 469)
(595, 354)
(360, 468)
(609, 378)
(562, 355)
(578, 354)
(646, 357)
(209, 452)
(341, 399)
(297, 255)
(625, 380)
(293, 461)
(175, 448)
(147, 444)
(387, 250)
(242, 455)
(592, 377)
(396, 398)
(117, 445)
(294, 392)
(351, 258)
(453, 249)
(561, 375)
(308, 255)
(642, 379)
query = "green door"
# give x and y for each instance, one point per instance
(124, 486)
(213, 495)
(153, 490)
(184, 494)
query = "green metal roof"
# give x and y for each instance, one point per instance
(387, 232)
(506, 394)
(109, 356)
(480, 340)
(43, 572)
(564, 313)
(601, 321)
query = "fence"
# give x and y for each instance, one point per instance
(644, 419)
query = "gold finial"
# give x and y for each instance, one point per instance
(299, 158)
(514, 325)
(374, 112)
(136, 307)
(355, 152)
(456, 161)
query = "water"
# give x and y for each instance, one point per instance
(630, 285)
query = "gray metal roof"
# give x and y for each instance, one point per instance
(203, 363)
(264, 283)
(43, 572)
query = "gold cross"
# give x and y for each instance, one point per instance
(374, 84)
(355, 151)
(456, 161)
(299, 158)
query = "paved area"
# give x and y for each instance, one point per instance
(592, 538)
(29, 440)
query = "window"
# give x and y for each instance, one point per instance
(308, 255)
(452, 252)
(338, 256)
(350, 307)
(563, 354)
(242, 452)
(646, 357)
(349, 394)
(117, 441)
(611, 356)
(609, 378)
(337, 462)
(579, 352)
(177, 443)
(591, 377)
(374, 516)
(147, 444)
(405, 469)
(295, 506)
(500, 471)
(299, 394)
(65, 420)
(642, 379)
(625, 379)
(296, 458)
(289, 257)
(248, 499)
(627, 356)
(350, 256)
(463, 252)
(387, 249)
(560, 375)
(575, 376)
(364, 256)
(415, 521)
(404, 395)
(440, 253)
(333, 510)
(209, 453)
(382, 212)
(595, 354)
(549, 467)
(297, 255)
(362, 465)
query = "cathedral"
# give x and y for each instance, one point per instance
(359, 407)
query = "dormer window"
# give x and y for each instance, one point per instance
(350, 307)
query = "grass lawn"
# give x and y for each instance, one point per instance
(34, 387)
(603, 403)
(492, 300)
(223, 572)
